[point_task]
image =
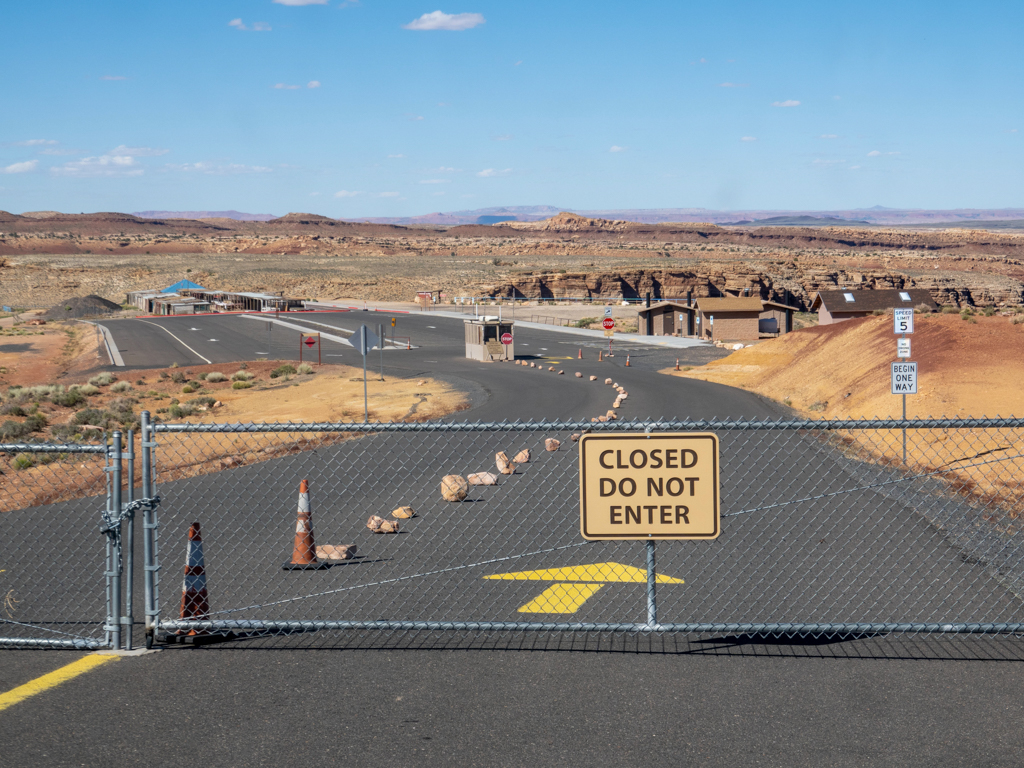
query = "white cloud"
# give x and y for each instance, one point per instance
(504, 137)
(828, 136)
(386, 194)
(104, 165)
(257, 26)
(113, 77)
(787, 103)
(435, 181)
(58, 151)
(823, 163)
(346, 193)
(395, 157)
(301, 2)
(414, 118)
(487, 173)
(452, 22)
(616, 148)
(518, 63)
(854, 167)
(1012, 130)
(313, 84)
(212, 169)
(443, 169)
(28, 165)
(123, 151)
(286, 87)
(734, 85)
(874, 153)
(749, 138)
(437, 194)
(35, 143)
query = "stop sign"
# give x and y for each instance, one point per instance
(506, 338)
(608, 323)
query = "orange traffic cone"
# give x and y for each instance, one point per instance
(677, 363)
(195, 602)
(304, 549)
(627, 361)
(580, 355)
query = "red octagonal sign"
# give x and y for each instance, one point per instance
(506, 338)
(608, 323)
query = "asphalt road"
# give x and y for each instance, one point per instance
(539, 698)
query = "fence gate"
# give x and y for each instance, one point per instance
(64, 548)
(826, 529)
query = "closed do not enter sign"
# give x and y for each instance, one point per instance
(649, 486)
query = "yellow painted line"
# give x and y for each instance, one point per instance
(52, 680)
(602, 573)
(561, 598)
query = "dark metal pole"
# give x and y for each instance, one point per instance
(129, 547)
(652, 606)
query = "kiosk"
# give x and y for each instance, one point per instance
(483, 339)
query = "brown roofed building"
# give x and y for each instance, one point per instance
(836, 306)
(731, 318)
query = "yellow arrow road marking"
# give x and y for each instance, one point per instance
(578, 584)
(561, 598)
(603, 573)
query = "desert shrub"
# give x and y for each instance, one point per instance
(42, 392)
(584, 322)
(949, 310)
(12, 430)
(241, 385)
(103, 379)
(178, 377)
(34, 422)
(121, 386)
(242, 376)
(11, 409)
(164, 375)
(68, 398)
(988, 311)
(173, 365)
(23, 461)
(216, 376)
(176, 411)
(202, 376)
(65, 432)
(305, 369)
(199, 402)
(243, 366)
(187, 389)
(93, 416)
(87, 389)
(282, 370)
(1018, 320)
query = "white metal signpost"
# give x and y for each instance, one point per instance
(367, 341)
(904, 375)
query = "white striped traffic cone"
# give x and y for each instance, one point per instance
(195, 602)
(304, 548)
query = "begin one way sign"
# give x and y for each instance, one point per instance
(904, 378)
(649, 486)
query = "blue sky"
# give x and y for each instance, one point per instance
(376, 108)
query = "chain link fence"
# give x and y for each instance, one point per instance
(55, 563)
(828, 529)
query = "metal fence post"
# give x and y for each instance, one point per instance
(149, 526)
(652, 606)
(129, 547)
(114, 546)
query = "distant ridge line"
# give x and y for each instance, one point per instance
(236, 215)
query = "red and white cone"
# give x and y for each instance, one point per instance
(579, 356)
(195, 602)
(304, 548)
(627, 361)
